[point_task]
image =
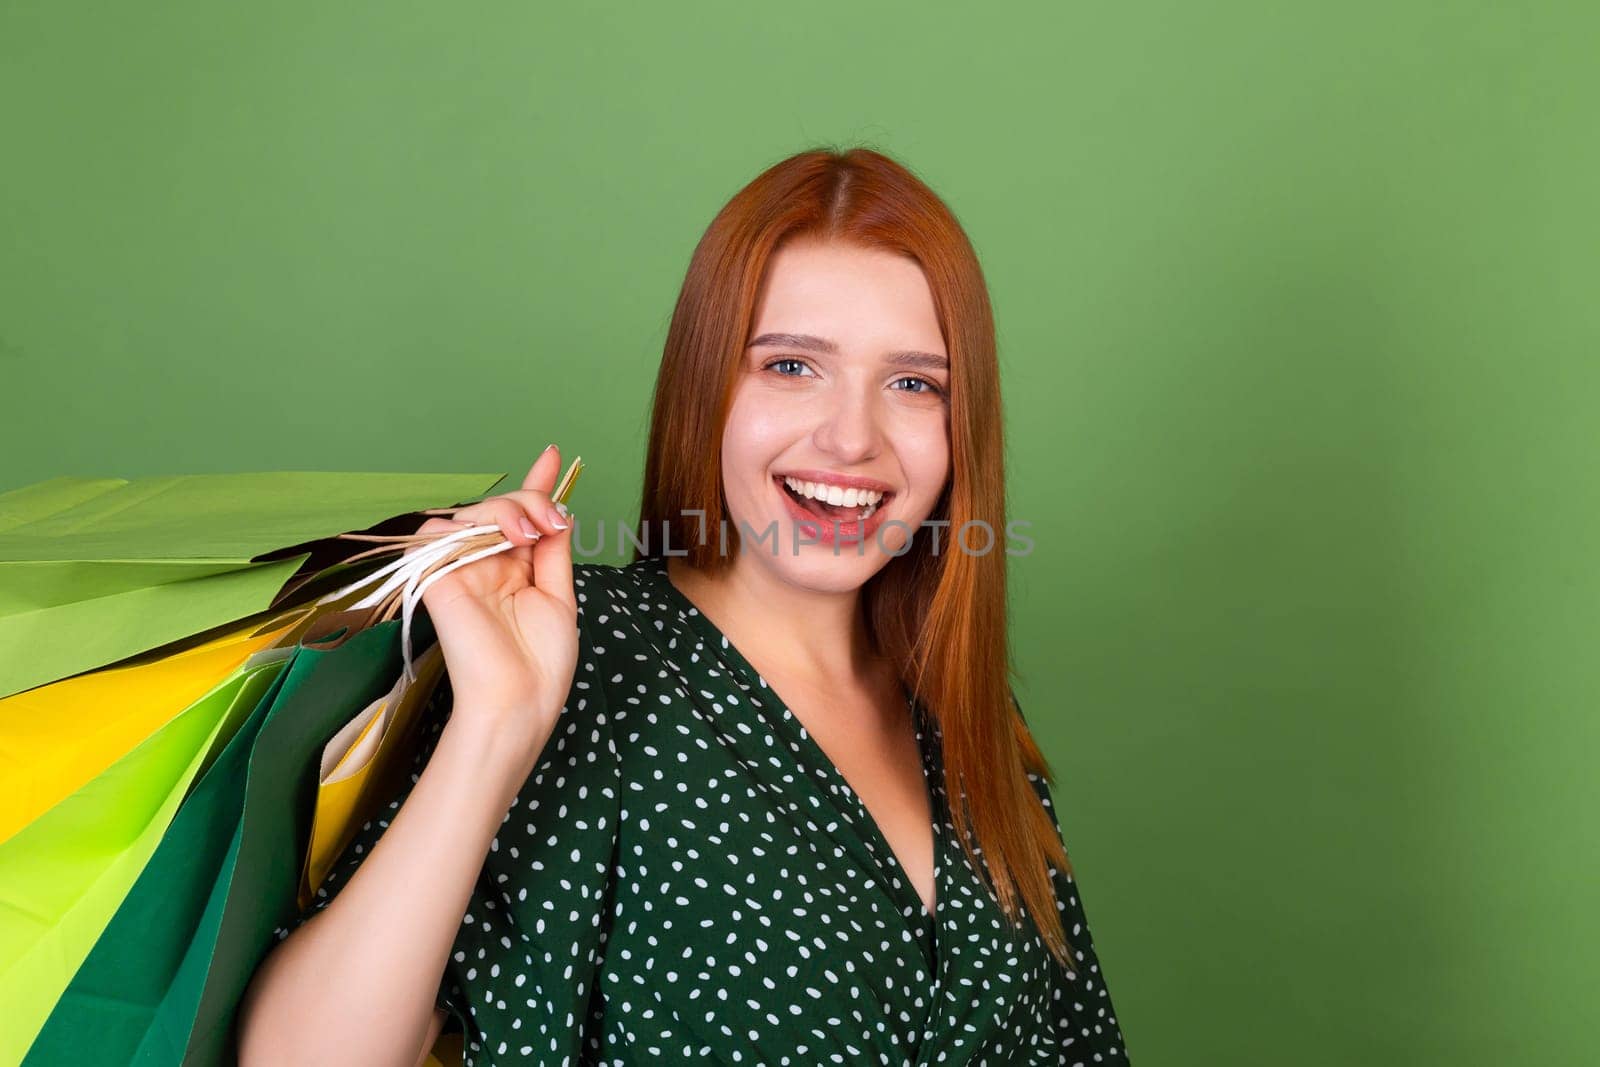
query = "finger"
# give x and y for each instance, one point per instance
(545, 470)
(541, 477)
(502, 512)
(517, 523)
(434, 525)
(552, 565)
(438, 525)
(547, 516)
(523, 554)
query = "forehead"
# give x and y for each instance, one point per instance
(856, 296)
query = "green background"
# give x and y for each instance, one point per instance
(1298, 322)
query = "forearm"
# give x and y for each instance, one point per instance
(356, 983)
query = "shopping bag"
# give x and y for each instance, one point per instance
(54, 739)
(95, 570)
(64, 875)
(447, 1051)
(113, 999)
(257, 883)
(359, 767)
(163, 981)
(275, 828)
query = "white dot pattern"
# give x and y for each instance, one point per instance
(686, 874)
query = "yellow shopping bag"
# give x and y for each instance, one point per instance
(58, 737)
(359, 764)
(63, 876)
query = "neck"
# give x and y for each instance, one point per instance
(782, 628)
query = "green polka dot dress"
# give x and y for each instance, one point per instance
(686, 877)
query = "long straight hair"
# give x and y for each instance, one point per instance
(940, 617)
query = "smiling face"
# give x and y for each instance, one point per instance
(844, 385)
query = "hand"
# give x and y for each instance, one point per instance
(508, 623)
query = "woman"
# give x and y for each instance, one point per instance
(699, 804)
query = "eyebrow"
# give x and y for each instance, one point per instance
(810, 343)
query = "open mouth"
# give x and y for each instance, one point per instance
(842, 513)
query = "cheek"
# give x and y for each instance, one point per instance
(927, 458)
(758, 432)
(752, 441)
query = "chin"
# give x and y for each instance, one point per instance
(817, 569)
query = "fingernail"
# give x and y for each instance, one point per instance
(563, 509)
(528, 528)
(549, 446)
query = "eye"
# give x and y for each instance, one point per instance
(931, 390)
(786, 360)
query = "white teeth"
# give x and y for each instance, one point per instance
(836, 495)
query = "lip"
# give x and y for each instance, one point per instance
(826, 531)
(843, 481)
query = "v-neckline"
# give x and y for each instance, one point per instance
(925, 744)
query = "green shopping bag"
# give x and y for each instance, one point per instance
(112, 1000)
(197, 929)
(95, 570)
(64, 875)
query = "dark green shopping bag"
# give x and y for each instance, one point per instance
(162, 986)
(113, 998)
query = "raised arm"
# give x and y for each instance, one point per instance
(357, 982)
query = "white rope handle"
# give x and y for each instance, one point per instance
(414, 593)
(426, 553)
(407, 572)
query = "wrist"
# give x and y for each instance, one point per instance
(499, 749)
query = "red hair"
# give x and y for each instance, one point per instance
(941, 618)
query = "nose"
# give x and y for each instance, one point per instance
(851, 430)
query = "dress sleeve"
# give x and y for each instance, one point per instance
(1085, 1020)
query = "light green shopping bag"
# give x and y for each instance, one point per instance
(65, 874)
(93, 570)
